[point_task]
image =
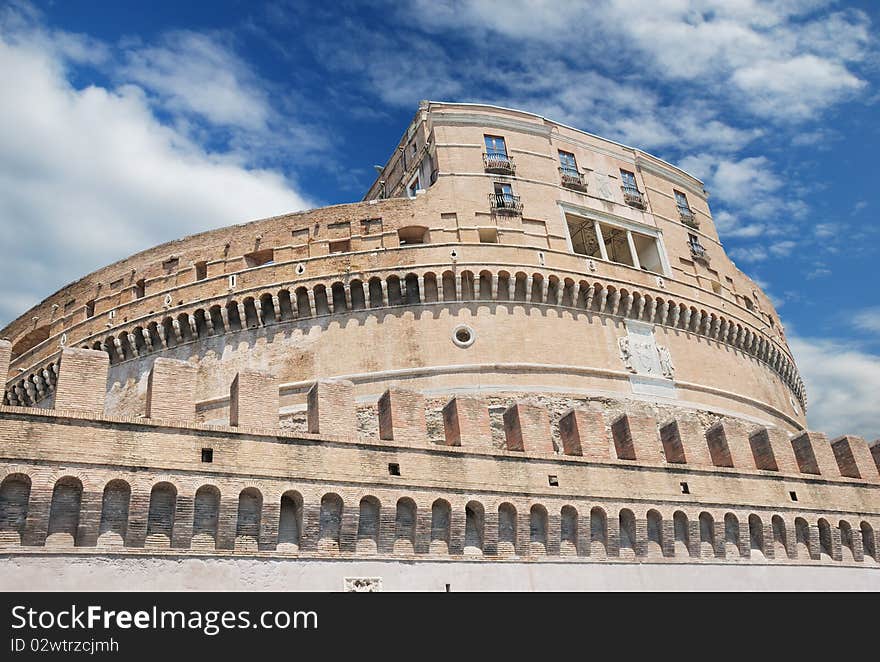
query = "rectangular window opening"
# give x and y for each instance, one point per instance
(553, 480)
(793, 495)
(488, 236)
(342, 246)
(207, 455)
(259, 258)
(393, 469)
(684, 488)
(201, 270)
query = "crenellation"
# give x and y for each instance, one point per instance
(401, 415)
(253, 400)
(82, 381)
(527, 428)
(171, 390)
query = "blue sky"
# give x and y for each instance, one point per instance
(126, 124)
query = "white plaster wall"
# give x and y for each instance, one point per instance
(107, 573)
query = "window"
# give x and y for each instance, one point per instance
(503, 199)
(488, 235)
(170, 265)
(414, 186)
(793, 496)
(697, 249)
(207, 455)
(201, 270)
(681, 202)
(495, 158)
(568, 162)
(393, 469)
(684, 488)
(90, 308)
(495, 146)
(684, 210)
(140, 289)
(631, 194)
(412, 234)
(259, 258)
(343, 246)
(613, 243)
(553, 481)
(503, 189)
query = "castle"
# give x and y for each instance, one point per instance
(523, 360)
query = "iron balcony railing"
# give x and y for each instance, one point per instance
(699, 252)
(688, 217)
(571, 178)
(633, 197)
(505, 203)
(498, 162)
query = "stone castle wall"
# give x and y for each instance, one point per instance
(614, 488)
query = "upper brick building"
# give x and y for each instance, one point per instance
(515, 307)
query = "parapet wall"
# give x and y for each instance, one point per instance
(631, 488)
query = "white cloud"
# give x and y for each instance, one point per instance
(795, 88)
(843, 383)
(193, 73)
(868, 320)
(758, 54)
(90, 175)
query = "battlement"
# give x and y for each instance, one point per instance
(76, 478)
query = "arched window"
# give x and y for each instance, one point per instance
(869, 542)
(506, 530)
(290, 519)
(568, 531)
(160, 521)
(440, 521)
(627, 534)
(756, 537)
(247, 525)
(780, 538)
(330, 522)
(114, 513)
(412, 234)
(731, 536)
(655, 533)
(598, 533)
(707, 535)
(30, 340)
(405, 527)
(206, 516)
(413, 295)
(538, 530)
(826, 543)
(682, 534)
(474, 518)
(15, 491)
(846, 541)
(368, 526)
(802, 539)
(64, 512)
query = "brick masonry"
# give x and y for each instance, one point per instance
(171, 390)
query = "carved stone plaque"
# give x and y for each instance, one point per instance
(650, 363)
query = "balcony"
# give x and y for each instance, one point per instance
(633, 197)
(505, 203)
(571, 178)
(498, 163)
(688, 218)
(698, 252)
